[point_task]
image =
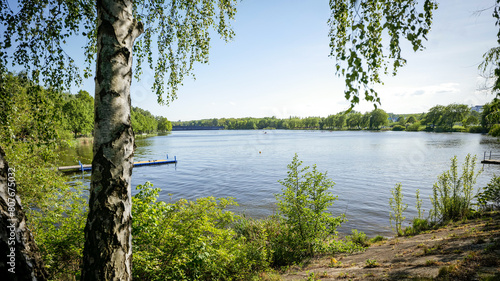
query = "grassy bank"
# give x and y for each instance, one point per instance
(464, 250)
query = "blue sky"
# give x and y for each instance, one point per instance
(278, 65)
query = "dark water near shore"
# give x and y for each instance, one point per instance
(247, 165)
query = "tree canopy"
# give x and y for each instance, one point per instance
(176, 34)
(365, 39)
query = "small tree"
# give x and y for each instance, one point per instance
(419, 204)
(453, 193)
(303, 206)
(398, 208)
(490, 194)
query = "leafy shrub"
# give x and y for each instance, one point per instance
(490, 193)
(398, 128)
(495, 130)
(258, 252)
(358, 238)
(452, 194)
(377, 238)
(186, 240)
(371, 263)
(476, 129)
(344, 246)
(303, 208)
(415, 127)
(56, 211)
(417, 226)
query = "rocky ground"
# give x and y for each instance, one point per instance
(459, 251)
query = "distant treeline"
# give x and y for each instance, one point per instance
(450, 118)
(70, 113)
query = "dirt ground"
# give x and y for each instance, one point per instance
(465, 249)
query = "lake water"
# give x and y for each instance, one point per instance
(247, 165)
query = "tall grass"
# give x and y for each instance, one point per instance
(452, 194)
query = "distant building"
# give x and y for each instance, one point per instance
(478, 108)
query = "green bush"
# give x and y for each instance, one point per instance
(257, 233)
(303, 208)
(278, 247)
(377, 238)
(398, 128)
(495, 130)
(490, 193)
(186, 240)
(358, 238)
(453, 193)
(415, 127)
(56, 211)
(344, 246)
(417, 226)
(476, 129)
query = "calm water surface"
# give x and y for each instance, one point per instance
(247, 165)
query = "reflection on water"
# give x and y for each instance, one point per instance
(82, 152)
(247, 165)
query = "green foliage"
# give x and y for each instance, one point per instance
(56, 211)
(358, 238)
(378, 118)
(417, 226)
(143, 121)
(495, 130)
(489, 66)
(398, 128)
(182, 30)
(29, 112)
(471, 120)
(491, 114)
(415, 127)
(418, 223)
(454, 113)
(79, 114)
(443, 118)
(377, 238)
(354, 120)
(365, 40)
(476, 129)
(187, 240)
(453, 193)
(343, 246)
(369, 263)
(163, 124)
(303, 206)
(35, 38)
(490, 193)
(419, 204)
(30, 134)
(396, 203)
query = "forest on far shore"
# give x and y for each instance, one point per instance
(440, 118)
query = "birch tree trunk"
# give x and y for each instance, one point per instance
(20, 258)
(108, 242)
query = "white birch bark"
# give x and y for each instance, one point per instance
(108, 239)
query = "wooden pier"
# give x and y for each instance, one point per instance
(88, 167)
(491, 158)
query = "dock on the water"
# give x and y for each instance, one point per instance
(88, 167)
(491, 158)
